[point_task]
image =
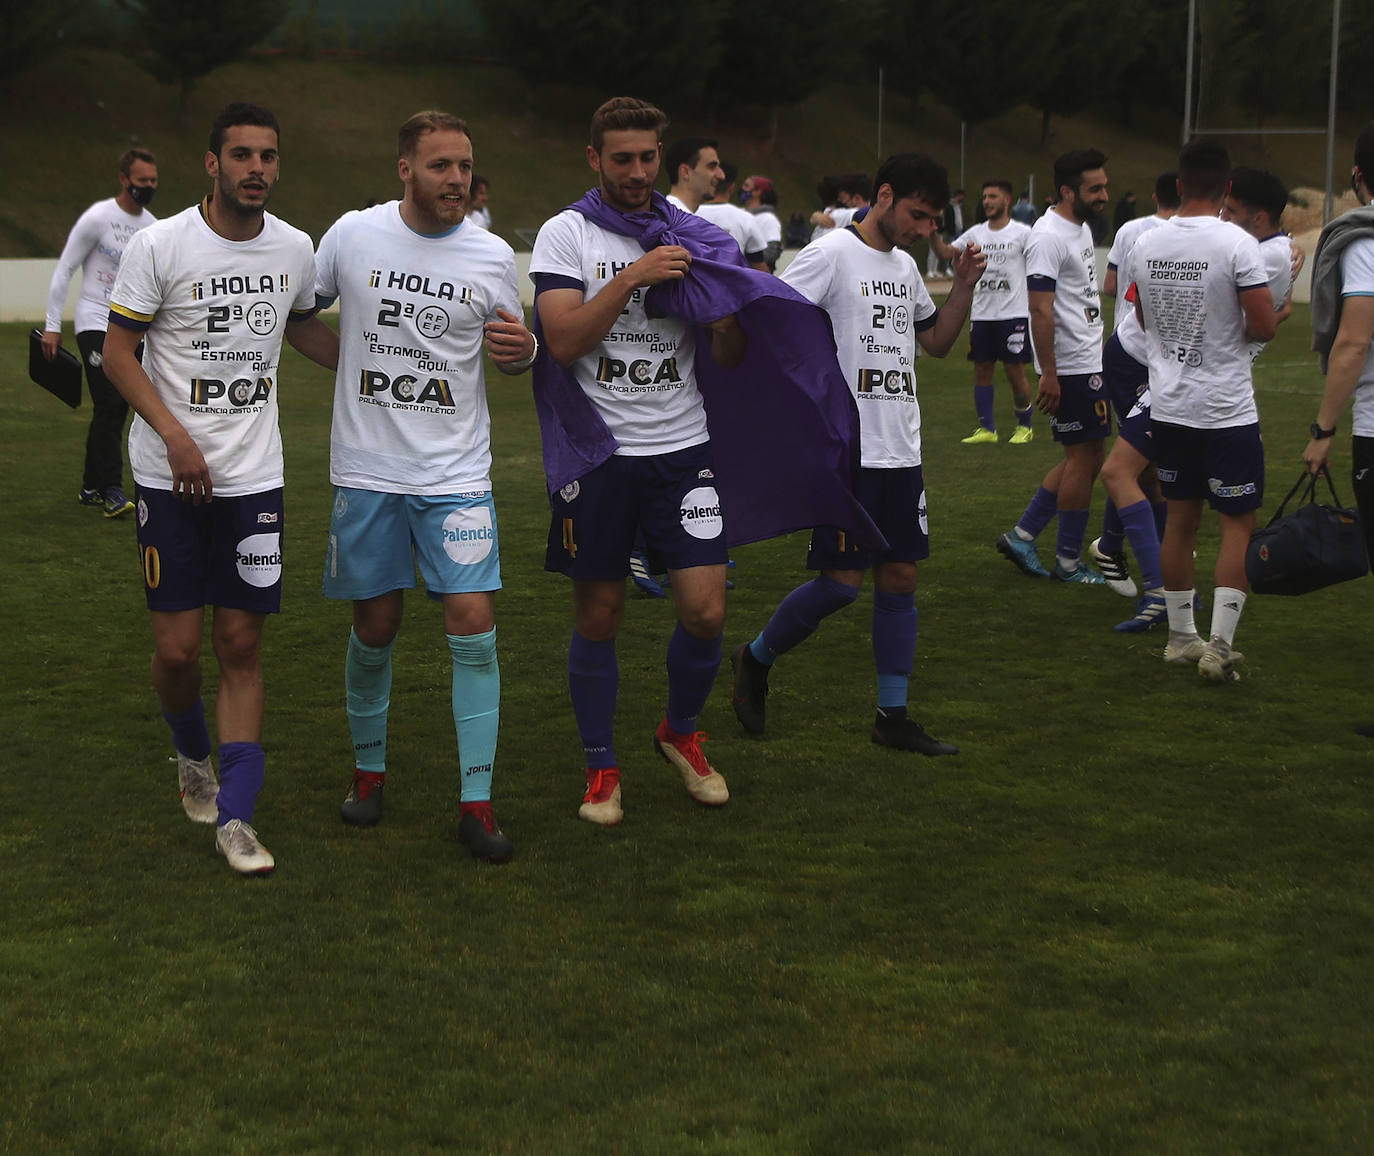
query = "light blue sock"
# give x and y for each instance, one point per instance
(367, 680)
(476, 710)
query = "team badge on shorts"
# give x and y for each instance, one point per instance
(569, 492)
(700, 513)
(258, 558)
(1016, 342)
(1095, 382)
(468, 535)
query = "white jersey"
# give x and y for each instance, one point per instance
(737, 222)
(1125, 323)
(1063, 253)
(770, 228)
(876, 301)
(1357, 280)
(1188, 276)
(410, 397)
(641, 376)
(95, 245)
(215, 312)
(1277, 255)
(480, 217)
(1000, 294)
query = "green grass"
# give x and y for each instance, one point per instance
(1133, 915)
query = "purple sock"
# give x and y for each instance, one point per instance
(1139, 521)
(1039, 513)
(1112, 529)
(1073, 524)
(593, 680)
(982, 402)
(190, 735)
(1161, 515)
(798, 615)
(894, 644)
(242, 768)
(692, 666)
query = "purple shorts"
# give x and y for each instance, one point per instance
(1225, 466)
(227, 552)
(1005, 341)
(667, 502)
(1128, 385)
(1085, 413)
(896, 501)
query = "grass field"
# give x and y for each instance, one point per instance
(1133, 915)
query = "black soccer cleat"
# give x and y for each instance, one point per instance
(895, 730)
(750, 690)
(480, 834)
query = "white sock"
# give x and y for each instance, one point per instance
(1227, 603)
(1180, 604)
(1020, 533)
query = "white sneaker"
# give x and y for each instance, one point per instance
(238, 843)
(1183, 648)
(1113, 568)
(199, 788)
(1218, 661)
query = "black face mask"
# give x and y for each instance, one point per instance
(143, 194)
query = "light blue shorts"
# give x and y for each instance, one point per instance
(377, 540)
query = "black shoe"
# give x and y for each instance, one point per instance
(750, 690)
(362, 806)
(1366, 729)
(478, 832)
(895, 730)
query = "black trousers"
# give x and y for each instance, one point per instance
(105, 438)
(1362, 478)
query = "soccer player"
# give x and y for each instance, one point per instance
(865, 280)
(759, 197)
(95, 245)
(1343, 333)
(478, 213)
(1000, 329)
(211, 291)
(1201, 295)
(722, 210)
(694, 171)
(1066, 328)
(1128, 473)
(1255, 202)
(421, 291)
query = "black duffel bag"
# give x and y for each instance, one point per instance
(1314, 546)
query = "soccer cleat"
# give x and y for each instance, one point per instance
(362, 806)
(238, 843)
(1021, 435)
(198, 787)
(1114, 570)
(1022, 553)
(750, 689)
(1182, 648)
(90, 497)
(1365, 730)
(115, 503)
(1218, 661)
(703, 782)
(479, 832)
(979, 437)
(1083, 574)
(601, 803)
(906, 734)
(1150, 611)
(643, 576)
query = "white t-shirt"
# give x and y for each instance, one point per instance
(95, 245)
(737, 222)
(1189, 275)
(1000, 294)
(876, 302)
(1277, 255)
(1063, 252)
(770, 228)
(1357, 280)
(641, 377)
(1125, 323)
(410, 396)
(480, 217)
(215, 312)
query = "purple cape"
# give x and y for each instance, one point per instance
(784, 426)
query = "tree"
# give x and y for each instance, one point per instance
(33, 30)
(181, 42)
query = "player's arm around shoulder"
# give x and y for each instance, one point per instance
(1261, 321)
(314, 339)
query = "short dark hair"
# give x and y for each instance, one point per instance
(1069, 167)
(728, 172)
(626, 113)
(126, 162)
(478, 182)
(913, 175)
(1166, 190)
(1005, 186)
(1204, 166)
(860, 183)
(685, 151)
(1364, 154)
(1260, 189)
(236, 113)
(430, 120)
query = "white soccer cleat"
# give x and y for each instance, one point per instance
(238, 843)
(1113, 569)
(199, 788)
(1218, 661)
(1184, 648)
